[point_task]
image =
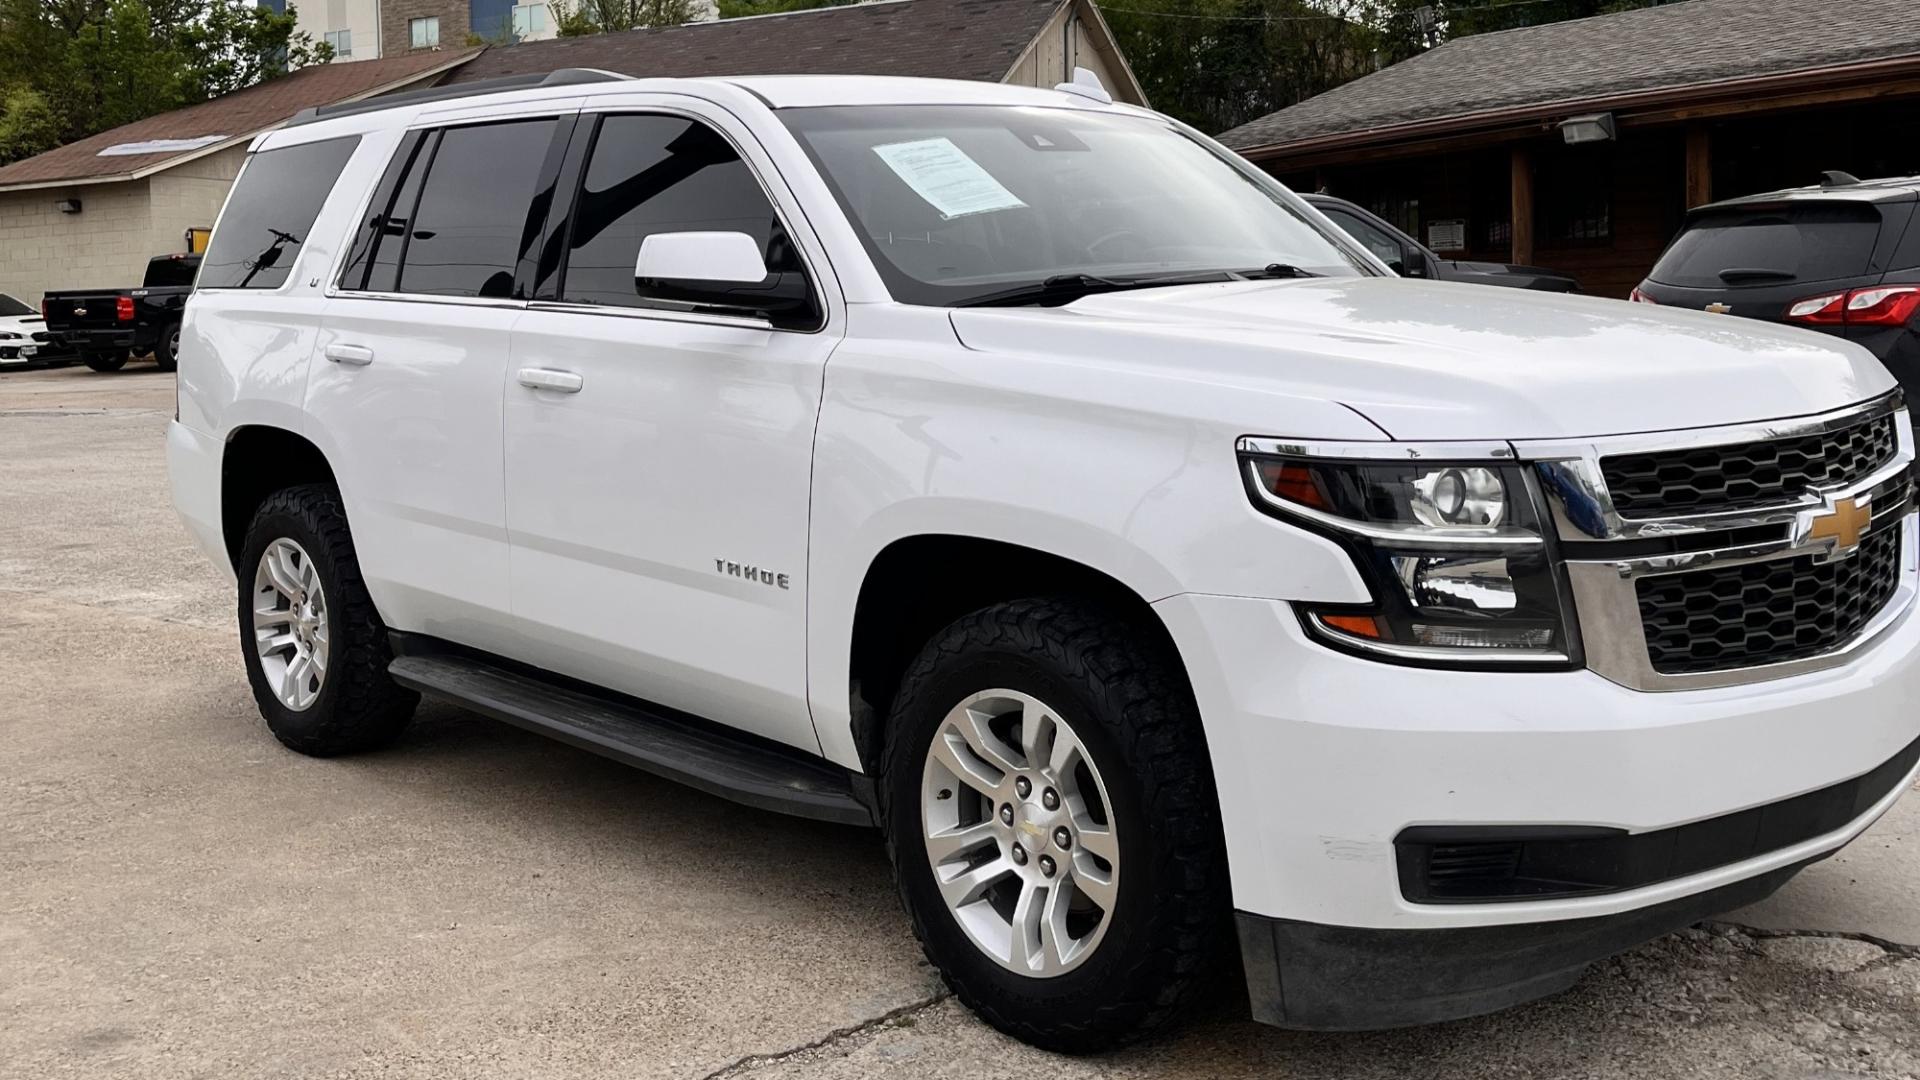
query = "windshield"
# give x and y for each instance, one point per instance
(956, 203)
(11, 306)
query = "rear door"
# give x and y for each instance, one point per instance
(659, 453)
(413, 360)
(1757, 260)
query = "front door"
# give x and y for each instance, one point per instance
(658, 453)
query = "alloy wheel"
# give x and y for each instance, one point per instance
(290, 624)
(1019, 832)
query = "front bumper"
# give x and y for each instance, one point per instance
(1339, 978)
(1322, 759)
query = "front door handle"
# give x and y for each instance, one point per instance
(560, 382)
(351, 355)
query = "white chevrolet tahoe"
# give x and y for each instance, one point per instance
(1030, 477)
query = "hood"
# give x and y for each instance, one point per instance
(1446, 360)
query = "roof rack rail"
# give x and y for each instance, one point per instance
(563, 77)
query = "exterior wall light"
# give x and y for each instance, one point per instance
(1593, 128)
(68, 206)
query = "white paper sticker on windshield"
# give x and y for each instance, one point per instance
(947, 178)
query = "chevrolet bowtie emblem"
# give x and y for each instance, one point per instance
(1718, 309)
(1838, 525)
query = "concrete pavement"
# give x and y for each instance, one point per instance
(180, 897)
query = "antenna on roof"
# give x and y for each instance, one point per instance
(1087, 85)
(1836, 178)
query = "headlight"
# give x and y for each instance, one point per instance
(6, 335)
(1454, 553)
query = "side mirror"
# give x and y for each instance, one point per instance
(729, 257)
(722, 270)
(1397, 267)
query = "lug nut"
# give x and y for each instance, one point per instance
(1023, 786)
(1020, 856)
(1050, 799)
(1062, 839)
(1046, 866)
(1006, 814)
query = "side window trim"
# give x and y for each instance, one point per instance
(550, 292)
(379, 210)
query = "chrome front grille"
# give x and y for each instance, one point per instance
(1705, 479)
(1756, 613)
(1732, 555)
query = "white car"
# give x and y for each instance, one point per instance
(23, 336)
(1028, 476)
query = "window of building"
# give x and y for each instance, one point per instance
(273, 205)
(423, 33)
(342, 42)
(661, 174)
(470, 227)
(529, 20)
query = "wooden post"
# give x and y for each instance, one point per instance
(1699, 166)
(1522, 226)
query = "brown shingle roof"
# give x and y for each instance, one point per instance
(237, 115)
(1671, 46)
(949, 39)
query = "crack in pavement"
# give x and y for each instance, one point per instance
(1895, 948)
(744, 1065)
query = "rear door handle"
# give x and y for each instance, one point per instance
(560, 382)
(351, 355)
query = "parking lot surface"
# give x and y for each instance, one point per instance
(180, 897)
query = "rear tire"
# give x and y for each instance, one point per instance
(315, 648)
(166, 351)
(105, 362)
(1102, 683)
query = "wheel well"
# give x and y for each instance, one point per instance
(258, 462)
(919, 585)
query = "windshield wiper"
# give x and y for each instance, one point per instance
(1736, 273)
(1276, 270)
(1066, 288)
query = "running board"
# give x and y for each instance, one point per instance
(733, 765)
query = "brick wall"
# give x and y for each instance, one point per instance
(189, 195)
(394, 39)
(106, 244)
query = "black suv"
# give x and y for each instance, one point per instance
(1838, 257)
(1410, 258)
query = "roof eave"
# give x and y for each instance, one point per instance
(1742, 88)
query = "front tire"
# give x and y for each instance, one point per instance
(1053, 826)
(315, 648)
(105, 362)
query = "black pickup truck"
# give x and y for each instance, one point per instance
(107, 326)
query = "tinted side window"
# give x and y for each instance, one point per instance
(661, 174)
(473, 219)
(1804, 242)
(273, 204)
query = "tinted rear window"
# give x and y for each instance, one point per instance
(1808, 242)
(273, 205)
(168, 272)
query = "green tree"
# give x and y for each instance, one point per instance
(27, 124)
(735, 9)
(601, 16)
(75, 67)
